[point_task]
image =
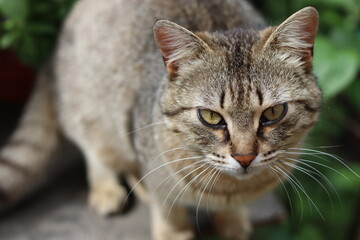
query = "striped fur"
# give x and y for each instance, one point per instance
(109, 92)
(24, 158)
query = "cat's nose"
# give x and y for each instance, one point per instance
(244, 160)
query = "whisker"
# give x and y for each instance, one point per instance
(202, 189)
(293, 186)
(142, 128)
(185, 187)
(325, 166)
(157, 168)
(272, 170)
(319, 173)
(180, 181)
(173, 174)
(301, 187)
(173, 149)
(318, 155)
(308, 173)
(189, 184)
(218, 174)
(326, 147)
(329, 155)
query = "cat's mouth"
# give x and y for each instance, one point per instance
(236, 170)
(257, 166)
(245, 173)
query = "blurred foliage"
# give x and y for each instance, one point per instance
(30, 27)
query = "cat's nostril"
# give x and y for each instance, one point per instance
(244, 160)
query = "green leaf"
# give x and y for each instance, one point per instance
(352, 93)
(351, 181)
(41, 28)
(349, 4)
(9, 39)
(28, 49)
(335, 66)
(310, 232)
(14, 9)
(9, 25)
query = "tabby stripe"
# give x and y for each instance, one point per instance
(307, 126)
(307, 106)
(176, 130)
(4, 198)
(269, 152)
(222, 99)
(10, 164)
(175, 112)
(260, 96)
(268, 159)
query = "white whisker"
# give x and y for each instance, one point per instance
(303, 162)
(325, 166)
(185, 187)
(177, 172)
(157, 168)
(218, 174)
(202, 193)
(326, 147)
(272, 170)
(308, 173)
(301, 187)
(142, 128)
(180, 181)
(329, 155)
(293, 186)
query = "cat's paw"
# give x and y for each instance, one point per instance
(107, 200)
(166, 234)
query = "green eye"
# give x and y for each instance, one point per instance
(273, 114)
(211, 118)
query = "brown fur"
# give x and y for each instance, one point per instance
(108, 91)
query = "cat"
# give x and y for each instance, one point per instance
(198, 101)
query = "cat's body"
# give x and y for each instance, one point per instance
(107, 81)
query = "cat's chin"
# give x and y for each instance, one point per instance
(243, 174)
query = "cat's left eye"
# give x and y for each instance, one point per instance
(273, 114)
(210, 118)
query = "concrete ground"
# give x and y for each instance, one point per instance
(59, 211)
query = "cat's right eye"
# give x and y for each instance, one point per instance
(210, 118)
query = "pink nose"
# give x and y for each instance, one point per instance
(244, 160)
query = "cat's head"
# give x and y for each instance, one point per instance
(241, 97)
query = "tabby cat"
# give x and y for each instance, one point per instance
(210, 129)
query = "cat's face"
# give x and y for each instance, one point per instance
(240, 100)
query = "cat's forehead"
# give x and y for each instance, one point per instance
(243, 84)
(236, 73)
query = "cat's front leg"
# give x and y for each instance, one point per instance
(232, 224)
(170, 223)
(106, 196)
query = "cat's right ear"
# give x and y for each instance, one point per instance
(177, 45)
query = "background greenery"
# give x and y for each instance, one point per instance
(30, 27)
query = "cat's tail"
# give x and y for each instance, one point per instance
(24, 157)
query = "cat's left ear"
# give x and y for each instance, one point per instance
(295, 37)
(177, 45)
